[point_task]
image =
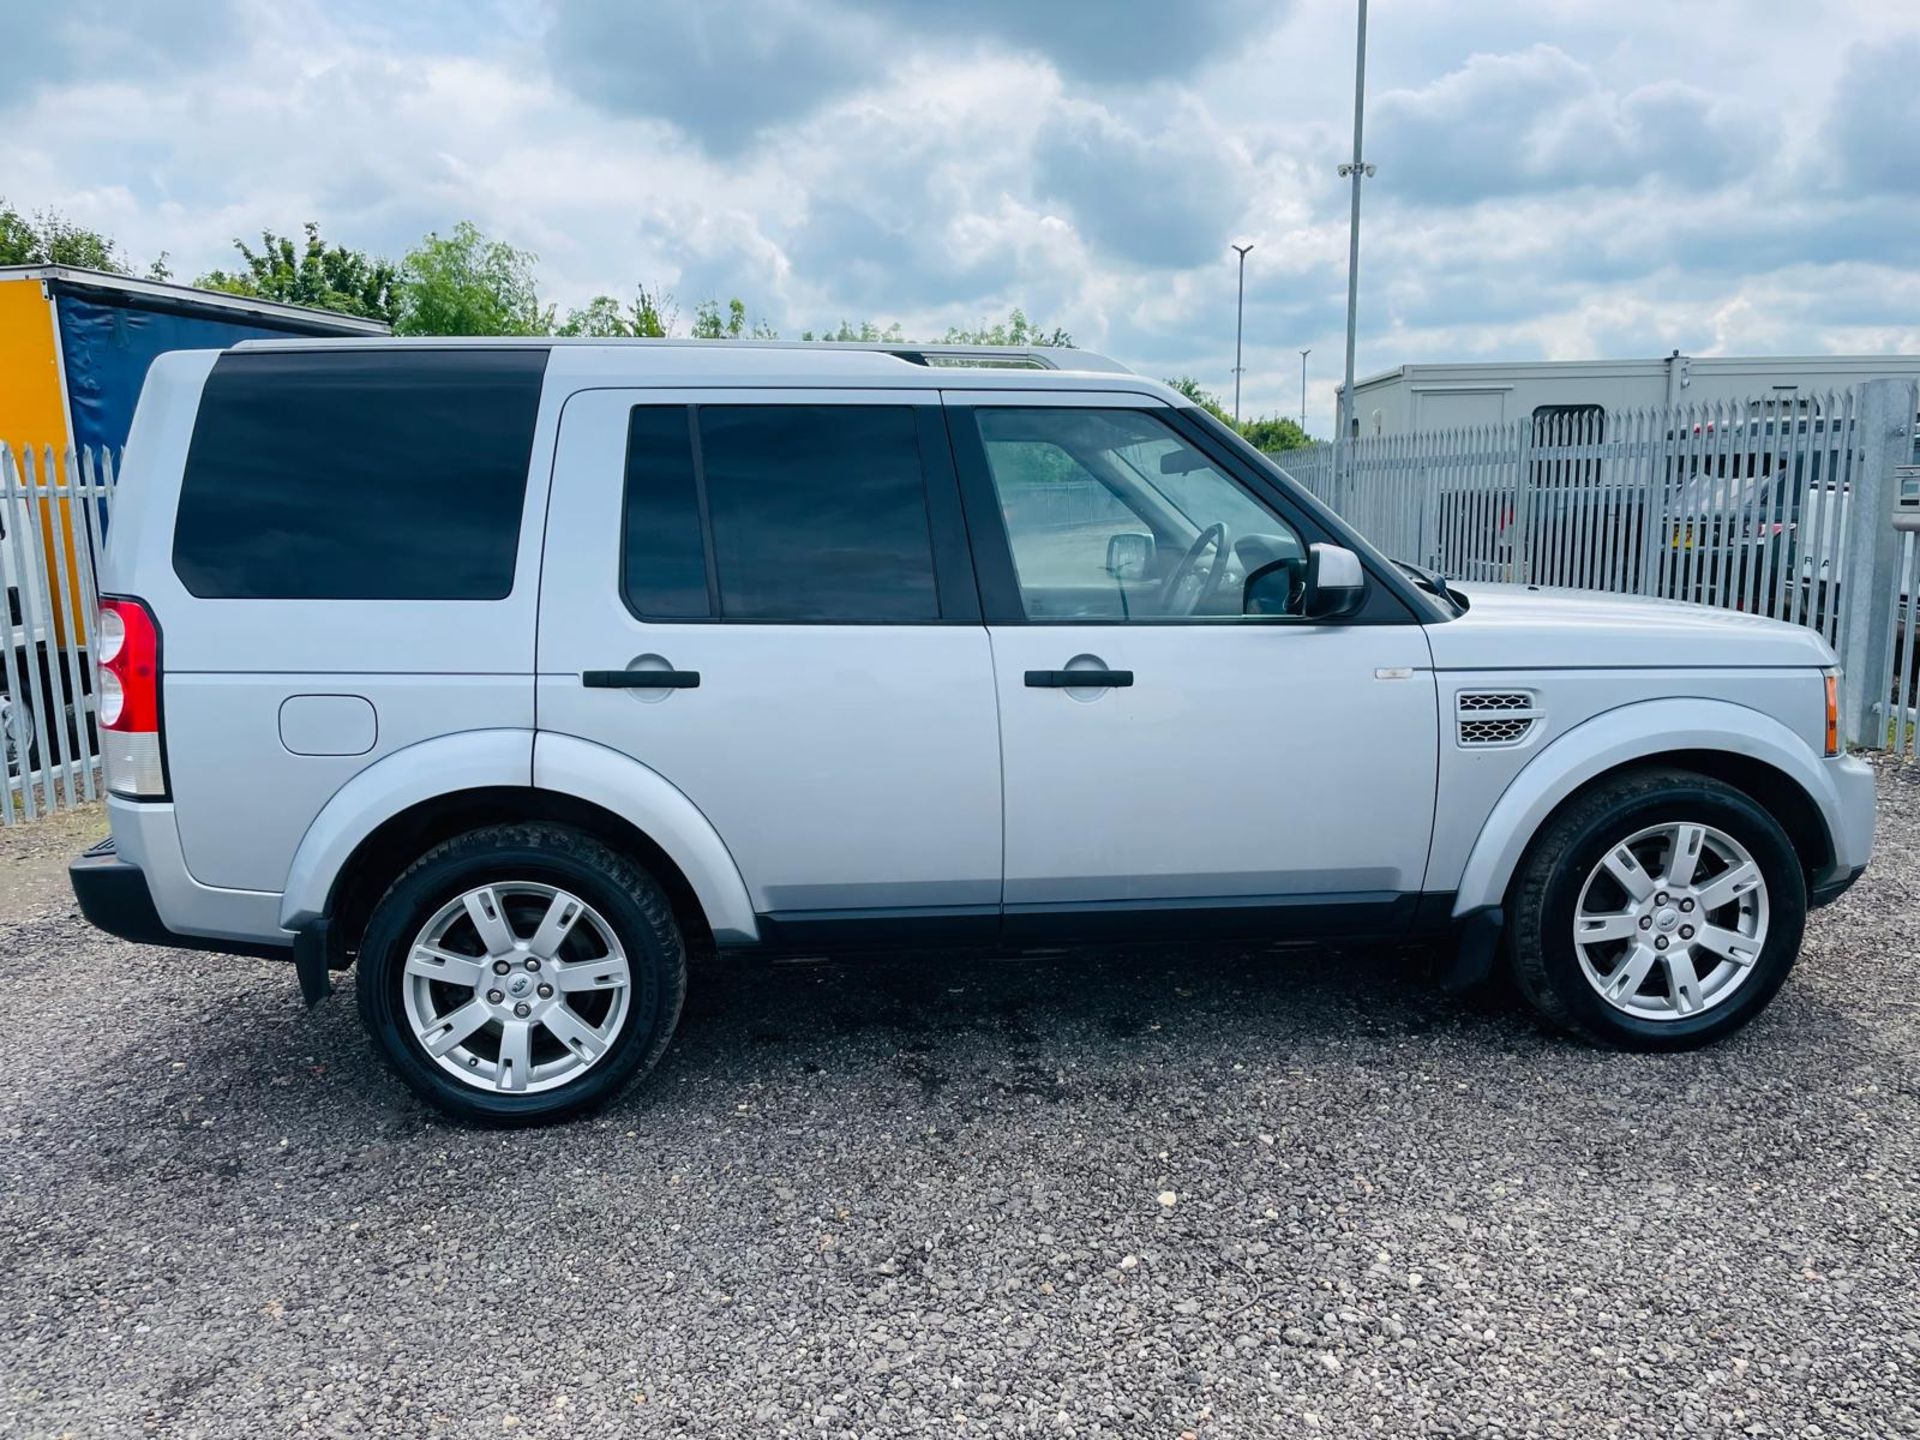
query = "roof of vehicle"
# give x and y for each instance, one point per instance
(193, 299)
(686, 363)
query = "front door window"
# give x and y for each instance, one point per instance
(1112, 515)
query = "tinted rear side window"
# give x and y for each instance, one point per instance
(665, 560)
(358, 475)
(803, 512)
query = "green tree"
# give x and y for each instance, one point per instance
(1273, 433)
(312, 272)
(711, 323)
(1016, 329)
(866, 333)
(49, 238)
(1270, 434)
(1205, 399)
(466, 284)
(650, 315)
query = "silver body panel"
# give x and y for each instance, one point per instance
(891, 768)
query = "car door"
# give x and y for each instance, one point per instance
(797, 562)
(1253, 771)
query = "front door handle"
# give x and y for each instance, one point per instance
(641, 679)
(1078, 679)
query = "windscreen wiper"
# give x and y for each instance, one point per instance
(1434, 584)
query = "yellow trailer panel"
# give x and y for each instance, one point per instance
(33, 416)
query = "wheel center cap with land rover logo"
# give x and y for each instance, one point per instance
(520, 986)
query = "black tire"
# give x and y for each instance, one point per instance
(1542, 900)
(632, 904)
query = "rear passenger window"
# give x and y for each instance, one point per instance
(358, 475)
(664, 556)
(777, 512)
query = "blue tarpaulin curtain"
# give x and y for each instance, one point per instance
(107, 344)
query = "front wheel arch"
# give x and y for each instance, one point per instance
(1731, 743)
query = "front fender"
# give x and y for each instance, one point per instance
(1641, 731)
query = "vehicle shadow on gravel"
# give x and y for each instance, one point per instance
(948, 1036)
(915, 1022)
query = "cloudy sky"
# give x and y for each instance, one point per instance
(1557, 178)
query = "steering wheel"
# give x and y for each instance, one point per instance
(1172, 601)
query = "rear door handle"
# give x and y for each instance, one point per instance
(1078, 679)
(641, 679)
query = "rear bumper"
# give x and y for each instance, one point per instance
(115, 897)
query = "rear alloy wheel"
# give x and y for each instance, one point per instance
(1658, 911)
(521, 973)
(516, 987)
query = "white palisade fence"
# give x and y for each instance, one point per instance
(54, 513)
(1779, 506)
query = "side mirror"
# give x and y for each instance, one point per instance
(1130, 555)
(1336, 583)
(1275, 588)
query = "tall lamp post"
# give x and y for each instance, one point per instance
(1239, 327)
(1303, 388)
(1356, 170)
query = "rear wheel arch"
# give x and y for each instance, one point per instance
(397, 842)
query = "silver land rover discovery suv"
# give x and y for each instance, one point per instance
(505, 672)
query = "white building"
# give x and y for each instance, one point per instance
(1442, 397)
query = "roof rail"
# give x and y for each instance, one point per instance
(1013, 357)
(1007, 357)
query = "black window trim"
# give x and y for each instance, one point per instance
(956, 590)
(1387, 602)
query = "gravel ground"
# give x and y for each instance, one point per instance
(1134, 1194)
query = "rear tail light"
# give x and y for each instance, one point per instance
(127, 646)
(1833, 712)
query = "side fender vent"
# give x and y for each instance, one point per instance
(1487, 719)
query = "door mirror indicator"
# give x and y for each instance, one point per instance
(1336, 583)
(1130, 555)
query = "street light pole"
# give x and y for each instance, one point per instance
(1239, 327)
(1303, 388)
(1357, 170)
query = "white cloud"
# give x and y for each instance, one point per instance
(1557, 177)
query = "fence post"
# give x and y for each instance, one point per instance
(1522, 554)
(1869, 558)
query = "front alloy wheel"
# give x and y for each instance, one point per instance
(1671, 921)
(1657, 910)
